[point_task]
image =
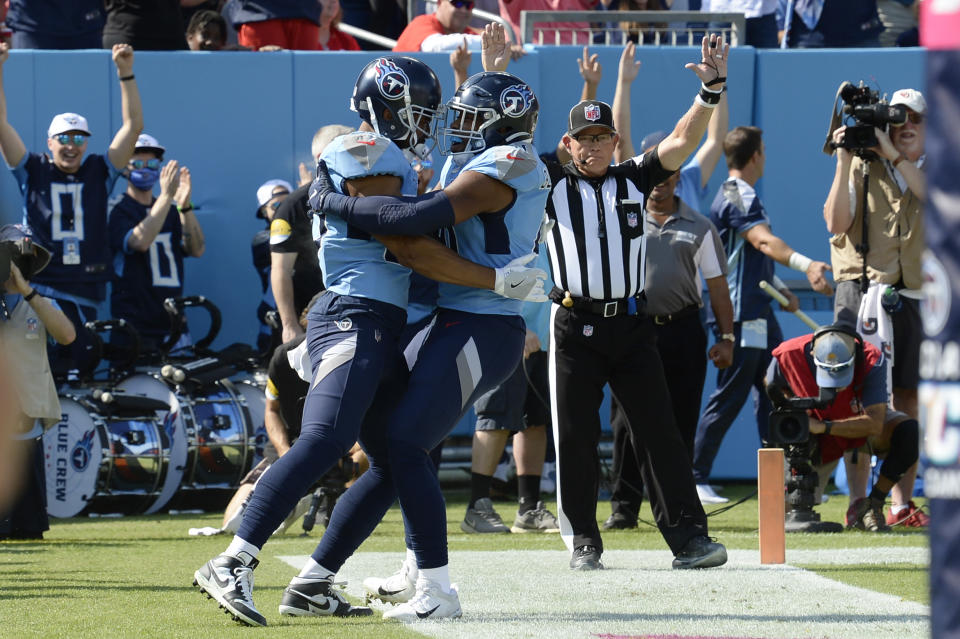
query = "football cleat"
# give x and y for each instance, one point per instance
(317, 598)
(537, 520)
(868, 516)
(397, 588)
(701, 552)
(482, 518)
(429, 602)
(229, 581)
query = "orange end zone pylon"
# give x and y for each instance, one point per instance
(771, 505)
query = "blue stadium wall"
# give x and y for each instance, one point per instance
(238, 119)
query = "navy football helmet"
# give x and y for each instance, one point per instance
(489, 109)
(405, 87)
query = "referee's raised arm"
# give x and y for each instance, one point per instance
(712, 71)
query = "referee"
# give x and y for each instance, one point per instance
(600, 333)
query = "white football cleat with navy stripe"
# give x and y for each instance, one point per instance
(431, 601)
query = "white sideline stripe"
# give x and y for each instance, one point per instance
(640, 594)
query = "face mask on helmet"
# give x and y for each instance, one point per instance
(489, 109)
(398, 97)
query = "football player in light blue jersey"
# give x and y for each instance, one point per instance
(494, 190)
(359, 373)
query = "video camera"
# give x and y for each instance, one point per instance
(865, 110)
(790, 429)
(789, 422)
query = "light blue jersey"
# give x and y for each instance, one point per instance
(494, 239)
(353, 262)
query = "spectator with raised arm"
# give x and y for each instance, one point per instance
(150, 236)
(65, 199)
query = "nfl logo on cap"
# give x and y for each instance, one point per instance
(591, 112)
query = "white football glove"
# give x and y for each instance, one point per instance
(546, 225)
(520, 282)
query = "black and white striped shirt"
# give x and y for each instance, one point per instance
(597, 249)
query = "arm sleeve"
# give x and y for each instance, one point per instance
(441, 42)
(710, 256)
(21, 172)
(646, 170)
(119, 227)
(387, 215)
(875, 384)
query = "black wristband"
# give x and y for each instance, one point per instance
(29, 296)
(716, 80)
(710, 97)
(127, 77)
(186, 209)
(827, 426)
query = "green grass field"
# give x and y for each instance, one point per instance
(131, 577)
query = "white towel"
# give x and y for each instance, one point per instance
(876, 327)
(299, 360)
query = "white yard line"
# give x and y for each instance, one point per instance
(532, 593)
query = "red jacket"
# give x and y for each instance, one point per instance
(791, 356)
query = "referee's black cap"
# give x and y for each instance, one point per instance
(589, 113)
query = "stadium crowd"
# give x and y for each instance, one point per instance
(313, 25)
(614, 314)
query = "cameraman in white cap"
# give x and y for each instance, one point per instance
(885, 305)
(65, 200)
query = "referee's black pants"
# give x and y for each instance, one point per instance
(587, 352)
(682, 345)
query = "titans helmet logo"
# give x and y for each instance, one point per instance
(391, 80)
(80, 455)
(516, 100)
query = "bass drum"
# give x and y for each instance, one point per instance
(149, 385)
(104, 464)
(219, 439)
(251, 387)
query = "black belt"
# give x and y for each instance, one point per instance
(660, 320)
(604, 308)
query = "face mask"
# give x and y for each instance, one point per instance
(144, 178)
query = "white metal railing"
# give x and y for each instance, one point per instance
(369, 36)
(605, 27)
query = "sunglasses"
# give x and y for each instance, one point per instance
(463, 4)
(600, 138)
(150, 164)
(77, 139)
(275, 205)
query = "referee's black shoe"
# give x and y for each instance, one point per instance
(586, 558)
(701, 552)
(619, 521)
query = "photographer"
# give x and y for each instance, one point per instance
(25, 320)
(879, 276)
(853, 373)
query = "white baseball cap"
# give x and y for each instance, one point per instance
(265, 192)
(63, 122)
(910, 98)
(147, 142)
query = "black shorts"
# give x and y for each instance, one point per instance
(516, 404)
